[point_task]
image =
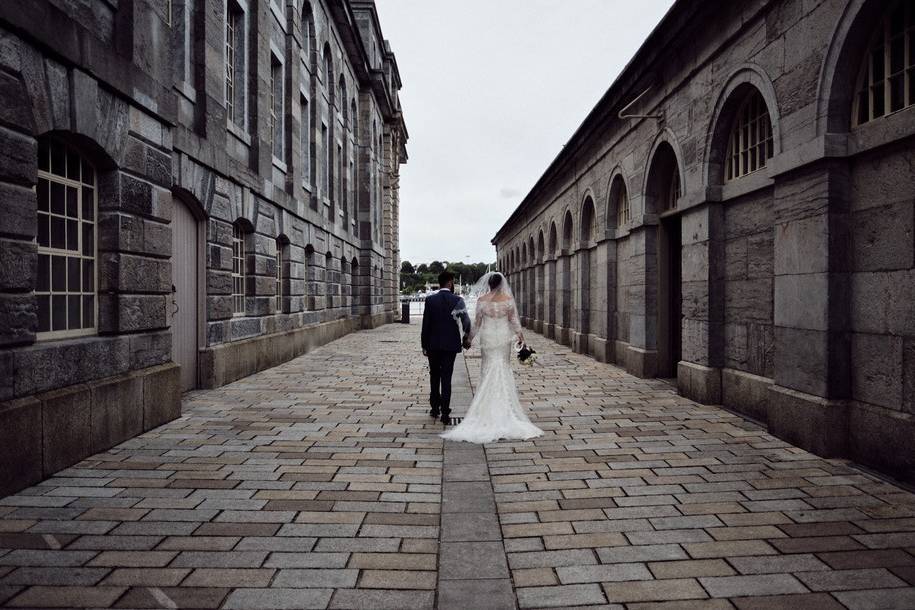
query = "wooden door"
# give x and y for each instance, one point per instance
(184, 309)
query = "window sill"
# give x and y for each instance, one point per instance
(280, 165)
(238, 132)
(187, 90)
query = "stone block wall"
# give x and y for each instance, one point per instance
(139, 96)
(792, 303)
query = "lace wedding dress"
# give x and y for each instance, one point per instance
(495, 412)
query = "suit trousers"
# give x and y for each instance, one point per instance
(441, 367)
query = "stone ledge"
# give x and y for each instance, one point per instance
(642, 363)
(228, 362)
(746, 393)
(811, 422)
(699, 383)
(47, 432)
(882, 438)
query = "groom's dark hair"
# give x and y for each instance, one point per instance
(494, 280)
(444, 277)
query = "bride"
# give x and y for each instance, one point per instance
(495, 412)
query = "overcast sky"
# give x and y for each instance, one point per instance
(492, 89)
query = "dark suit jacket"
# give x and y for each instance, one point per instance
(440, 330)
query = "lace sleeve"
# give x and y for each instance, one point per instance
(513, 320)
(477, 321)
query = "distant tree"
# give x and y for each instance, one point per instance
(436, 267)
(407, 267)
(423, 268)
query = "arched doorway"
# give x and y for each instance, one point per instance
(662, 195)
(186, 316)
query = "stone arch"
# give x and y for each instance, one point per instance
(568, 226)
(586, 220)
(840, 69)
(740, 85)
(663, 169)
(617, 193)
(554, 240)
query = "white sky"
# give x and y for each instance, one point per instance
(492, 89)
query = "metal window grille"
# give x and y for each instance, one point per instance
(67, 204)
(750, 142)
(622, 207)
(279, 277)
(238, 270)
(887, 80)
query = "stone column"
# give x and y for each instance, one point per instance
(702, 239)
(550, 299)
(642, 352)
(806, 402)
(582, 299)
(539, 297)
(604, 302)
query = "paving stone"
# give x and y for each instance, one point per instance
(494, 594)
(763, 584)
(805, 601)
(654, 590)
(54, 576)
(469, 560)
(571, 575)
(337, 579)
(147, 577)
(690, 568)
(772, 564)
(844, 580)
(368, 599)
(470, 527)
(278, 599)
(230, 577)
(70, 597)
(554, 597)
(648, 552)
(398, 579)
(164, 597)
(392, 561)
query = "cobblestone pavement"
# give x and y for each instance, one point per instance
(320, 484)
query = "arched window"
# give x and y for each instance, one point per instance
(67, 209)
(236, 82)
(311, 279)
(355, 119)
(619, 202)
(750, 140)
(329, 75)
(587, 221)
(308, 27)
(238, 269)
(343, 108)
(887, 79)
(277, 102)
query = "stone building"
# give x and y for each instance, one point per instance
(737, 213)
(190, 191)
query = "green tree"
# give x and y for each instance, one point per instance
(407, 267)
(422, 269)
(436, 267)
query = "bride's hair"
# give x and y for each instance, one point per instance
(494, 280)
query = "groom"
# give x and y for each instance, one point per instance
(441, 341)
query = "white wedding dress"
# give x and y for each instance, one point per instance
(495, 412)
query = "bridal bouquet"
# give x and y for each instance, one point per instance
(527, 355)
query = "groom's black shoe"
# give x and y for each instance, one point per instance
(446, 418)
(433, 413)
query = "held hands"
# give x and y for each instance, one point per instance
(466, 342)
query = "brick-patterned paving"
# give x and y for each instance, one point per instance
(318, 484)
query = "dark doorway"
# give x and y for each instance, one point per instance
(670, 318)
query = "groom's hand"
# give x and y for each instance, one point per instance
(466, 342)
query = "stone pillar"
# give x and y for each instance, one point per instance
(604, 303)
(642, 352)
(550, 300)
(564, 318)
(806, 402)
(539, 298)
(702, 239)
(582, 299)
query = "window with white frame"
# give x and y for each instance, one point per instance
(750, 141)
(280, 261)
(67, 201)
(328, 162)
(887, 79)
(622, 204)
(238, 270)
(305, 139)
(235, 88)
(276, 106)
